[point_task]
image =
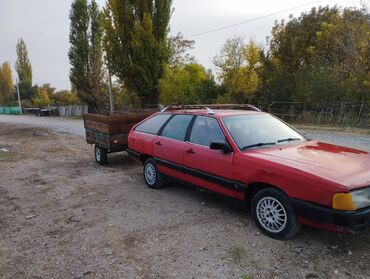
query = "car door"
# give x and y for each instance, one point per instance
(168, 150)
(210, 169)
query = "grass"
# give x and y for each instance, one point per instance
(239, 254)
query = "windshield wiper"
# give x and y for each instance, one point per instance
(258, 144)
(288, 139)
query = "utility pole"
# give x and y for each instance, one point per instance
(110, 94)
(19, 98)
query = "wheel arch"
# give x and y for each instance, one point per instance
(144, 157)
(254, 187)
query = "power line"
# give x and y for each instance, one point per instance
(250, 20)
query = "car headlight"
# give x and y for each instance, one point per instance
(352, 201)
(361, 198)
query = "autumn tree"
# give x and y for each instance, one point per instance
(42, 98)
(238, 65)
(136, 44)
(64, 98)
(49, 89)
(6, 84)
(85, 54)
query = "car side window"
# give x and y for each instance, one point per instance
(206, 130)
(177, 127)
(153, 124)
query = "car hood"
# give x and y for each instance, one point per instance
(345, 166)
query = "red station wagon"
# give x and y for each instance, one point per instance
(253, 156)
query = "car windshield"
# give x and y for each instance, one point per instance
(259, 130)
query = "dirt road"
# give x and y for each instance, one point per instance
(63, 216)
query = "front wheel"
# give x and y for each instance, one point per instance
(274, 215)
(101, 155)
(153, 178)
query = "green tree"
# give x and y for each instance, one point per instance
(6, 84)
(238, 65)
(24, 71)
(320, 56)
(85, 53)
(187, 84)
(136, 44)
(179, 50)
(23, 64)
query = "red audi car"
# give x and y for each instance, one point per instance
(253, 156)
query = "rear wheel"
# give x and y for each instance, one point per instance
(101, 155)
(153, 178)
(274, 215)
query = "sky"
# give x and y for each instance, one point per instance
(44, 25)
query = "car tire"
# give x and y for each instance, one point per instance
(274, 215)
(153, 178)
(101, 155)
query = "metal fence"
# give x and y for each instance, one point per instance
(335, 114)
(10, 110)
(75, 110)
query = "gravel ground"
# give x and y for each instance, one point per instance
(350, 138)
(64, 216)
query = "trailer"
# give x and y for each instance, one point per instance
(109, 133)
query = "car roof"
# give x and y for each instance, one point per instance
(215, 112)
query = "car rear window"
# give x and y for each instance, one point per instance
(153, 124)
(177, 127)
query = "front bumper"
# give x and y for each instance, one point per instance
(351, 221)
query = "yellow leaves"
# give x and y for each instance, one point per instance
(6, 82)
(367, 82)
(42, 98)
(65, 97)
(244, 80)
(252, 55)
(238, 64)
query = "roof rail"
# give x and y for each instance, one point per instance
(253, 108)
(163, 110)
(211, 107)
(209, 111)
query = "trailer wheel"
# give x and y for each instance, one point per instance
(101, 155)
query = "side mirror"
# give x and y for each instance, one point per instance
(221, 145)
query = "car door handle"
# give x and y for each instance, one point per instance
(191, 151)
(158, 143)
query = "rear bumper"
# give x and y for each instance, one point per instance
(343, 220)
